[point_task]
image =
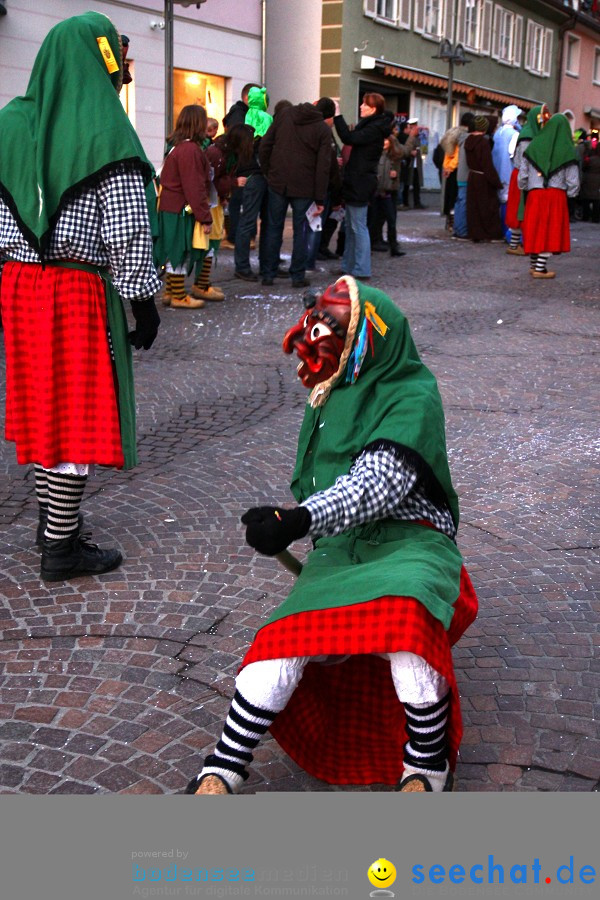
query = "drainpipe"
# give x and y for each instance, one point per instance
(571, 23)
(263, 45)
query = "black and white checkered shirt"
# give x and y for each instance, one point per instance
(378, 486)
(106, 225)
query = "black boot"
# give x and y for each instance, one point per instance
(43, 522)
(76, 555)
(396, 251)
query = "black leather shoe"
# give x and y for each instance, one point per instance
(282, 273)
(246, 276)
(76, 555)
(43, 522)
(268, 282)
(396, 252)
(380, 247)
(303, 282)
(326, 254)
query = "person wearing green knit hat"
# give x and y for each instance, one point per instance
(353, 673)
(548, 173)
(75, 242)
(515, 205)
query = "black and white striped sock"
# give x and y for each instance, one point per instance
(532, 261)
(515, 238)
(65, 493)
(426, 748)
(540, 263)
(244, 727)
(41, 485)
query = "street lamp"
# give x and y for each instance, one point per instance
(169, 57)
(453, 54)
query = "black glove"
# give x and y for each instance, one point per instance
(270, 529)
(147, 321)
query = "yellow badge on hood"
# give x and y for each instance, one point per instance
(107, 55)
(375, 320)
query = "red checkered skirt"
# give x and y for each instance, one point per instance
(512, 204)
(344, 723)
(61, 398)
(546, 226)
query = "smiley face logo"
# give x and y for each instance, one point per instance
(382, 873)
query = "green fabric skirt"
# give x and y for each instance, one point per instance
(174, 242)
(397, 559)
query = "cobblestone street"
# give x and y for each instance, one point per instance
(121, 683)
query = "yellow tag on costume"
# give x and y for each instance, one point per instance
(107, 55)
(375, 320)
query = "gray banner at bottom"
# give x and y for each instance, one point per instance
(354, 846)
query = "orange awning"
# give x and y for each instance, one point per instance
(438, 81)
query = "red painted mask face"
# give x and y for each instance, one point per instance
(318, 338)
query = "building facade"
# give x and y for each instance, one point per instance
(580, 66)
(392, 46)
(217, 48)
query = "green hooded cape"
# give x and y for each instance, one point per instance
(257, 115)
(393, 403)
(69, 127)
(531, 128)
(395, 399)
(552, 149)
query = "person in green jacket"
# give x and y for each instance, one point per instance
(353, 673)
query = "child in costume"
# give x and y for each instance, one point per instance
(515, 204)
(383, 594)
(75, 241)
(183, 204)
(549, 173)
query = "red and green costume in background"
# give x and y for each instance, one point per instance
(515, 205)
(546, 221)
(382, 587)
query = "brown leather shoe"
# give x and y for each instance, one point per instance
(208, 784)
(186, 303)
(515, 251)
(542, 274)
(419, 784)
(212, 293)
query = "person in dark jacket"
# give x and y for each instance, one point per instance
(295, 157)
(590, 186)
(360, 179)
(326, 106)
(483, 208)
(236, 116)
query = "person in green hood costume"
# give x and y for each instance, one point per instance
(353, 672)
(75, 242)
(515, 205)
(549, 173)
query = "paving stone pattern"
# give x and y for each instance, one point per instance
(120, 684)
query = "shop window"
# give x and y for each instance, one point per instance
(198, 87)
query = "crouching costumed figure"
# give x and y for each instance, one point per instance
(353, 673)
